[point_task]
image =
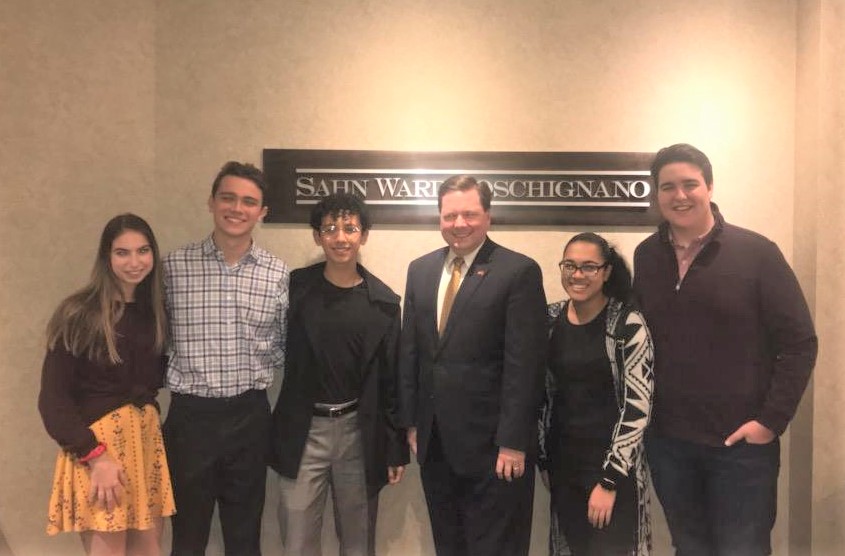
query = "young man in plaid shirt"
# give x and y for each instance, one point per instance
(227, 301)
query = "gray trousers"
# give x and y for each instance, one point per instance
(333, 457)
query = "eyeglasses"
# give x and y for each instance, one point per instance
(587, 269)
(331, 229)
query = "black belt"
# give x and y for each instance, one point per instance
(246, 398)
(323, 411)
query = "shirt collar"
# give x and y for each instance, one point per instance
(209, 248)
(665, 233)
(696, 242)
(469, 258)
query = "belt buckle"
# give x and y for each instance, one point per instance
(334, 411)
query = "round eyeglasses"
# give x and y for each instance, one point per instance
(331, 229)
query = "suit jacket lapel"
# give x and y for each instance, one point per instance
(431, 287)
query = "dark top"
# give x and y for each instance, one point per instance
(75, 391)
(733, 342)
(341, 339)
(585, 404)
(585, 409)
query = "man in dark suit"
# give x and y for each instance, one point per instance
(471, 369)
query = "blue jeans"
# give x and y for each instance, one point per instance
(718, 501)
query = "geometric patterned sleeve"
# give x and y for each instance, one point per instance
(544, 423)
(630, 349)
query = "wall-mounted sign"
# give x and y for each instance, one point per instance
(540, 188)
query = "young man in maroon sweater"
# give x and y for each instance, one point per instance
(734, 347)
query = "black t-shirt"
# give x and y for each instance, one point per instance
(585, 409)
(341, 324)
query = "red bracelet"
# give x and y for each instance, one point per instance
(98, 451)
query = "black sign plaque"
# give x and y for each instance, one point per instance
(533, 188)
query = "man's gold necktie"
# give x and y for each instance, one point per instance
(451, 291)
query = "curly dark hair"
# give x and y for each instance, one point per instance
(338, 205)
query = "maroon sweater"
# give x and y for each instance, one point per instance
(75, 391)
(733, 341)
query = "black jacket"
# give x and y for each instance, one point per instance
(384, 443)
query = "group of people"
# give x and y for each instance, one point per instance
(685, 375)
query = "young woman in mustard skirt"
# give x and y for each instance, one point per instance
(103, 369)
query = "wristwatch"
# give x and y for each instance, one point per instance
(607, 484)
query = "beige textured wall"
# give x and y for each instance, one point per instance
(111, 106)
(805, 259)
(822, 150)
(76, 147)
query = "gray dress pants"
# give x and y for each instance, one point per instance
(333, 457)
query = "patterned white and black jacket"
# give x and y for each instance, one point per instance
(631, 354)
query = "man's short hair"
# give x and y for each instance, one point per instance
(464, 183)
(338, 205)
(241, 170)
(682, 152)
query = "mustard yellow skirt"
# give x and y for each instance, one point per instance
(132, 436)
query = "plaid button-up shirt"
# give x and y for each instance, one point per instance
(227, 324)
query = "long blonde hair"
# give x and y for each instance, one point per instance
(85, 322)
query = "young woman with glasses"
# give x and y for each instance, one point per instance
(598, 400)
